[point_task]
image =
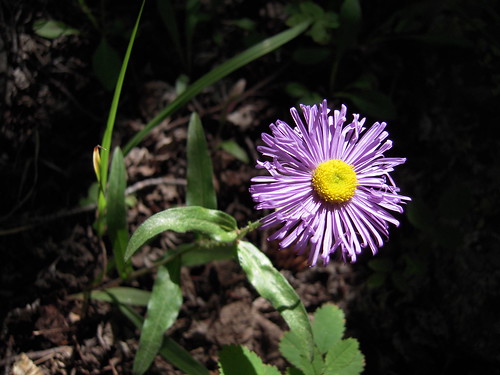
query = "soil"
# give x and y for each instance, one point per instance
(429, 306)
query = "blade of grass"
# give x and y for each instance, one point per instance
(258, 50)
(106, 139)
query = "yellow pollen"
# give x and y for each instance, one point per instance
(334, 181)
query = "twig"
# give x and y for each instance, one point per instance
(140, 185)
(39, 354)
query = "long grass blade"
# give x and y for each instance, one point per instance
(258, 50)
(108, 132)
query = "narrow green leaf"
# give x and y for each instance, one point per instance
(117, 214)
(235, 359)
(236, 150)
(217, 225)
(273, 286)
(163, 308)
(51, 29)
(106, 139)
(170, 350)
(126, 295)
(203, 255)
(258, 50)
(181, 358)
(344, 358)
(200, 187)
(328, 327)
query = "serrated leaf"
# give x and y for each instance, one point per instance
(235, 149)
(328, 327)
(51, 29)
(200, 187)
(235, 360)
(294, 350)
(106, 64)
(203, 255)
(116, 215)
(273, 286)
(163, 308)
(217, 225)
(344, 358)
(311, 9)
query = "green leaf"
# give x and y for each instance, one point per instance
(92, 194)
(293, 371)
(328, 326)
(181, 358)
(244, 23)
(217, 225)
(344, 358)
(203, 255)
(200, 187)
(170, 350)
(296, 352)
(108, 132)
(235, 360)
(117, 214)
(258, 50)
(106, 64)
(273, 286)
(236, 150)
(126, 295)
(163, 308)
(51, 29)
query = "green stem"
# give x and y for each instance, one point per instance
(249, 228)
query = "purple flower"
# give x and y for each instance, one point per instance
(328, 184)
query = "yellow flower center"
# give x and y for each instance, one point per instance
(334, 181)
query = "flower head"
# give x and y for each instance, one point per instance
(328, 183)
